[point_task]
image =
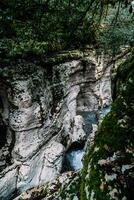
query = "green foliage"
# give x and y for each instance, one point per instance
(40, 26)
(117, 30)
(37, 27)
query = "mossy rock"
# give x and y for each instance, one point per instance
(108, 170)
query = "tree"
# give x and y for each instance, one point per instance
(38, 27)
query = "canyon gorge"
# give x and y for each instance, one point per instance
(47, 116)
(66, 100)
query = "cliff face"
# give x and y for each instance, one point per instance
(45, 111)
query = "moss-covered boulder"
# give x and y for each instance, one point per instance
(108, 171)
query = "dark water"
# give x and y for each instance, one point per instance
(89, 119)
(104, 111)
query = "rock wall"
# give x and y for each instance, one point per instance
(42, 115)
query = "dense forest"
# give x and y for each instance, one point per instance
(32, 28)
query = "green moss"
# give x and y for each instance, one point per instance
(71, 189)
(125, 68)
(116, 134)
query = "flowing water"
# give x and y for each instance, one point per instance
(74, 156)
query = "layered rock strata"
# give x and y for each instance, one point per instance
(43, 112)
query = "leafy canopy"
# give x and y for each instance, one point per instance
(37, 27)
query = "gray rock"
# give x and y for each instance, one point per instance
(42, 114)
(8, 183)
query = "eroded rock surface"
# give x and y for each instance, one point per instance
(43, 112)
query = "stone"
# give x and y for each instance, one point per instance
(78, 134)
(110, 177)
(22, 97)
(42, 113)
(8, 183)
(42, 167)
(25, 118)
